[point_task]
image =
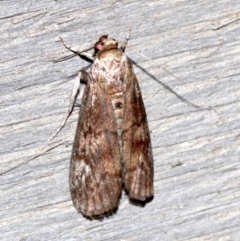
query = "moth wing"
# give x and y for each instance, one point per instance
(137, 151)
(95, 168)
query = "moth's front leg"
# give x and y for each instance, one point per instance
(81, 77)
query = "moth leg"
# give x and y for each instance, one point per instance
(82, 75)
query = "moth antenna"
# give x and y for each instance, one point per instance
(64, 58)
(160, 66)
(39, 151)
(157, 64)
(76, 52)
(67, 46)
(126, 40)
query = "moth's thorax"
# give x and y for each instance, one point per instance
(112, 53)
(110, 69)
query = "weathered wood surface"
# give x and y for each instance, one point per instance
(196, 151)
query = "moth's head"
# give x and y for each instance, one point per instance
(105, 43)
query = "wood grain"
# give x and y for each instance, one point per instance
(196, 150)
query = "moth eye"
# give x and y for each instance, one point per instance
(100, 46)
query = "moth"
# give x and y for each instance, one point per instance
(112, 147)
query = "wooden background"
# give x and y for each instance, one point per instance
(196, 150)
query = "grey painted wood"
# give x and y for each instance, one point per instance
(196, 150)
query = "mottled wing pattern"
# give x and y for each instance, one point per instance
(137, 152)
(95, 168)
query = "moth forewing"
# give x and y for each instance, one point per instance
(137, 151)
(112, 144)
(95, 169)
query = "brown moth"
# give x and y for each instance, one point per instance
(112, 147)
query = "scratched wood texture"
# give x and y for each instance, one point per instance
(196, 150)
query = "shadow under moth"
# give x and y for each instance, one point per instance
(112, 147)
